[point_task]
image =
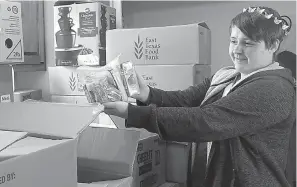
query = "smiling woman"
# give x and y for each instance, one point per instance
(256, 35)
(246, 111)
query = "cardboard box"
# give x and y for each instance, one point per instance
(127, 153)
(173, 77)
(65, 80)
(178, 161)
(55, 165)
(80, 32)
(82, 100)
(11, 38)
(122, 183)
(180, 44)
(168, 184)
(76, 99)
(27, 145)
(22, 95)
(8, 137)
(125, 182)
(119, 122)
(6, 83)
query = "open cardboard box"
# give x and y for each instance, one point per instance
(41, 163)
(50, 144)
(131, 158)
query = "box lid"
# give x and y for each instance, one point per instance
(9, 137)
(202, 24)
(51, 119)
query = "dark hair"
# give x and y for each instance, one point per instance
(287, 59)
(257, 27)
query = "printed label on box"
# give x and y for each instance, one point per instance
(148, 48)
(17, 51)
(5, 98)
(11, 36)
(149, 80)
(87, 24)
(7, 178)
(146, 160)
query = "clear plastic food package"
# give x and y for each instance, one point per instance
(103, 84)
(130, 80)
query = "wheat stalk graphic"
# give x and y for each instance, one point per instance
(138, 48)
(72, 82)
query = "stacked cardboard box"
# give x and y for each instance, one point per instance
(169, 58)
(80, 40)
(80, 32)
(23, 95)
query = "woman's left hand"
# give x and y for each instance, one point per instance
(118, 108)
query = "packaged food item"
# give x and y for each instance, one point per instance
(102, 89)
(103, 84)
(87, 58)
(130, 80)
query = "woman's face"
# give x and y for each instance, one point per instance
(247, 55)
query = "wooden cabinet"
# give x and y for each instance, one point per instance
(34, 38)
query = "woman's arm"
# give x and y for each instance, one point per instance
(190, 97)
(251, 107)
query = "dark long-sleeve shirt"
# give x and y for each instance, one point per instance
(249, 127)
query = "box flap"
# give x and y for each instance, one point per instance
(51, 119)
(125, 182)
(108, 150)
(26, 146)
(9, 137)
(203, 24)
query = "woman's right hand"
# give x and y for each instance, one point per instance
(143, 88)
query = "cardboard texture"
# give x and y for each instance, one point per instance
(45, 123)
(6, 83)
(76, 99)
(8, 137)
(80, 33)
(82, 100)
(11, 37)
(52, 119)
(173, 77)
(26, 146)
(127, 153)
(125, 182)
(161, 45)
(177, 162)
(23, 95)
(65, 80)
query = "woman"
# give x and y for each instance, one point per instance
(246, 111)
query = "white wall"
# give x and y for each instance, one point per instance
(216, 14)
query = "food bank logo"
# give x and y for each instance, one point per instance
(148, 49)
(138, 48)
(72, 82)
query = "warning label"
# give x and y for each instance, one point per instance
(16, 52)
